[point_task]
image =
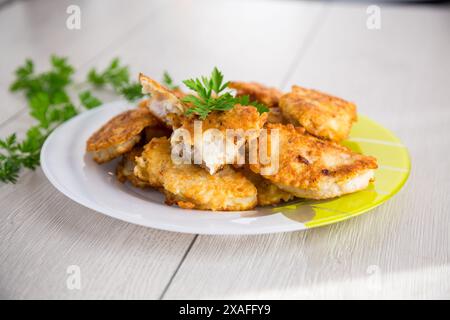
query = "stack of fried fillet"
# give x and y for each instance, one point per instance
(312, 163)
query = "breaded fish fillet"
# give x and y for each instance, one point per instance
(190, 186)
(317, 169)
(119, 134)
(165, 104)
(246, 118)
(257, 92)
(153, 161)
(322, 115)
(125, 168)
(268, 193)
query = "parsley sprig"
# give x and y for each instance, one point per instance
(117, 77)
(50, 105)
(53, 82)
(168, 81)
(211, 96)
(20, 154)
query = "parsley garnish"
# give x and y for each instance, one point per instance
(16, 155)
(118, 77)
(168, 81)
(53, 82)
(211, 96)
(88, 100)
(50, 105)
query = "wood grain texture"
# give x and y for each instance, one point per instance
(42, 232)
(116, 259)
(397, 75)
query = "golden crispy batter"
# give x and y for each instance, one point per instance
(268, 193)
(190, 186)
(125, 168)
(143, 103)
(240, 117)
(119, 134)
(245, 118)
(121, 128)
(153, 162)
(257, 92)
(163, 103)
(227, 190)
(322, 115)
(313, 168)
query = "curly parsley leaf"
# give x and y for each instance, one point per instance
(210, 98)
(49, 104)
(245, 101)
(14, 155)
(88, 100)
(9, 169)
(168, 81)
(132, 91)
(53, 82)
(117, 77)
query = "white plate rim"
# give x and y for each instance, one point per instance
(48, 172)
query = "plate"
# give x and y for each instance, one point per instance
(71, 171)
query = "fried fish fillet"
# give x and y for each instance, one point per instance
(268, 193)
(215, 154)
(190, 186)
(125, 168)
(316, 169)
(163, 103)
(257, 92)
(322, 115)
(119, 134)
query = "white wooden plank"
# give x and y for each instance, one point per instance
(42, 233)
(398, 75)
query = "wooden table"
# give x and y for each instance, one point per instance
(398, 75)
